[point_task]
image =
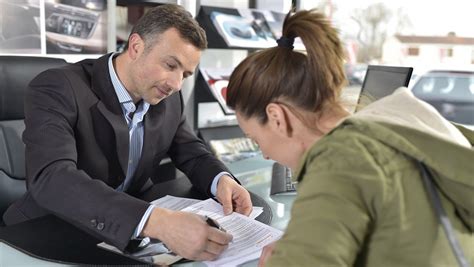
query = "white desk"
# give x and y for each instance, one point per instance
(14, 258)
(254, 174)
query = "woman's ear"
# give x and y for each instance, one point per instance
(136, 46)
(278, 119)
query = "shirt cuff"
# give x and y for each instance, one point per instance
(140, 226)
(216, 180)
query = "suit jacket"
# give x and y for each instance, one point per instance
(77, 145)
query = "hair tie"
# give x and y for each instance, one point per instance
(286, 42)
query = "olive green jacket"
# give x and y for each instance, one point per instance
(361, 199)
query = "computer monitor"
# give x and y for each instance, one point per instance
(381, 81)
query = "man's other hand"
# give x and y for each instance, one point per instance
(186, 234)
(233, 196)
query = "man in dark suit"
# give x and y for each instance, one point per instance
(97, 130)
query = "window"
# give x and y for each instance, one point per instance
(413, 51)
(446, 52)
(449, 52)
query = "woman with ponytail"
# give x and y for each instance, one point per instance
(361, 195)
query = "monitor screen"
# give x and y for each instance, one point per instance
(381, 81)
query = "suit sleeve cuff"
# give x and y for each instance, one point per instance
(216, 180)
(142, 223)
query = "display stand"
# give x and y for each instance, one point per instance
(202, 90)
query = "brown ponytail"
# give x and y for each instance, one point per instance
(308, 81)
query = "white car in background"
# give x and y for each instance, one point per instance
(451, 92)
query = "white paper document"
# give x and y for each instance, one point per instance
(174, 203)
(179, 203)
(154, 253)
(249, 236)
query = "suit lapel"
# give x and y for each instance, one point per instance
(120, 129)
(111, 110)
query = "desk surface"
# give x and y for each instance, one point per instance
(255, 175)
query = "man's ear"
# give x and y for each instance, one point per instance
(278, 119)
(136, 45)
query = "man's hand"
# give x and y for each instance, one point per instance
(232, 196)
(266, 253)
(186, 234)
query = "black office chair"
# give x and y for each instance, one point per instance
(15, 74)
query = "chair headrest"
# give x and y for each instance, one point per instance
(16, 72)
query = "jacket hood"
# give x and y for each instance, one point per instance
(416, 129)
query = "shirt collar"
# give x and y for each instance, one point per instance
(123, 96)
(122, 93)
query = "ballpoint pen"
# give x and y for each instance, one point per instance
(213, 223)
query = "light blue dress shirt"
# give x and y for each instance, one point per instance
(134, 117)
